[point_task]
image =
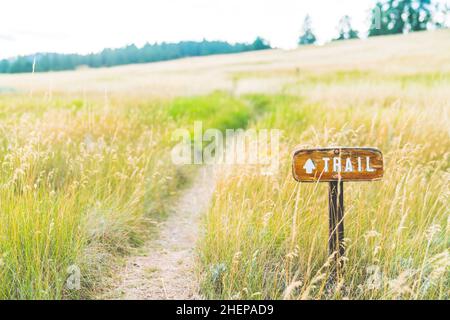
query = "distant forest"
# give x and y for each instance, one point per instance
(387, 17)
(42, 62)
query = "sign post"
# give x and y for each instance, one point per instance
(336, 165)
(336, 225)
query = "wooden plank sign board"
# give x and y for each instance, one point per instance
(337, 164)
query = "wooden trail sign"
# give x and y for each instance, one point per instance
(336, 165)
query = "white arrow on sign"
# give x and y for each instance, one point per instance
(309, 166)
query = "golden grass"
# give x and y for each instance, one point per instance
(79, 182)
(85, 170)
(267, 236)
(83, 181)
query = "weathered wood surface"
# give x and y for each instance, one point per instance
(337, 164)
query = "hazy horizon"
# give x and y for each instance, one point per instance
(73, 26)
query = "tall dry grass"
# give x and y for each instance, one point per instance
(85, 170)
(266, 237)
(85, 180)
(81, 180)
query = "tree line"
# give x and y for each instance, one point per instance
(388, 17)
(127, 55)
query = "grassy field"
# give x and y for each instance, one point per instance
(77, 178)
(267, 236)
(86, 170)
(83, 181)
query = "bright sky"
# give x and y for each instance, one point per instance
(85, 26)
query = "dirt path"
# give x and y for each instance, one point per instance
(166, 270)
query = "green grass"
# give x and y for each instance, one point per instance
(83, 181)
(306, 77)
(217, 110)
(78, 184)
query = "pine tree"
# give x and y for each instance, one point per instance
(379, 20)
(419, 14)
(307, 36)
(398, 16)
(260, 44)
(395, 15)
(346, 30)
